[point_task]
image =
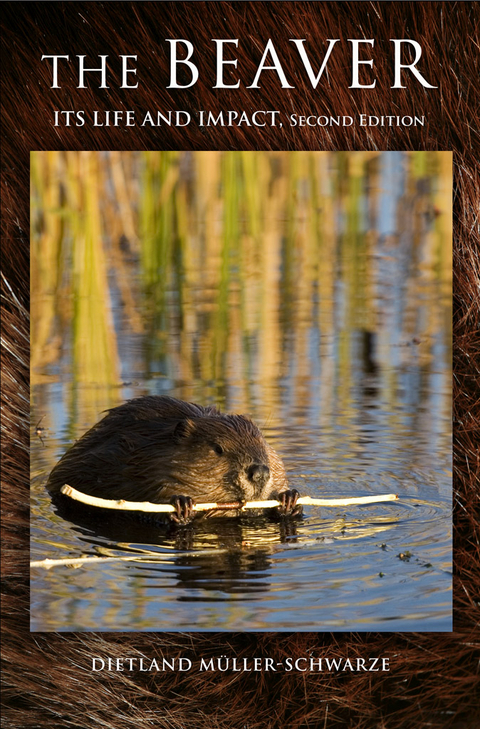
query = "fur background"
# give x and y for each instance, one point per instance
(434, 680)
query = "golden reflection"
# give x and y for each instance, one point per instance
(223, 264)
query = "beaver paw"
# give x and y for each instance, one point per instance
(288, 501)
(183, 509)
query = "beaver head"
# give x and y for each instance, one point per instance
(222, 457)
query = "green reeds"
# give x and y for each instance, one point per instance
(71, 300)
(94, 341)
(240, 255)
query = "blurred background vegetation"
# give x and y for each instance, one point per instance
(248, 279)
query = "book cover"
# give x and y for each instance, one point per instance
(249, 206)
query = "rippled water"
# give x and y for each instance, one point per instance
(376, 567)
(311, 292)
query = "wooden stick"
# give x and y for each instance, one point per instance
(122, 505)
(150, 558)
(80, 561)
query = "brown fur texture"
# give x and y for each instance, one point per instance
(434, 680)
(156, 447)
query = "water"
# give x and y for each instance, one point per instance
(334, 338)
(377, 567)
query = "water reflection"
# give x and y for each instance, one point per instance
(309, 290)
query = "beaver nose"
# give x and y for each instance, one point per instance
(258, 474)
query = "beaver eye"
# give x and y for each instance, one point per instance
(218, 449)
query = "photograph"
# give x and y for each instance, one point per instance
(237, 328)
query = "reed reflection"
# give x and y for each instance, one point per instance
(225, 275)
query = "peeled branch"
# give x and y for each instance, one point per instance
(147, 506)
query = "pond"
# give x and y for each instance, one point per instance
(311, 291)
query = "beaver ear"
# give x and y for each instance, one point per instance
(183, 429)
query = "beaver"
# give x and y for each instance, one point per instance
(159, 449)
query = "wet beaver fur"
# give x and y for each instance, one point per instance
(160, 449)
